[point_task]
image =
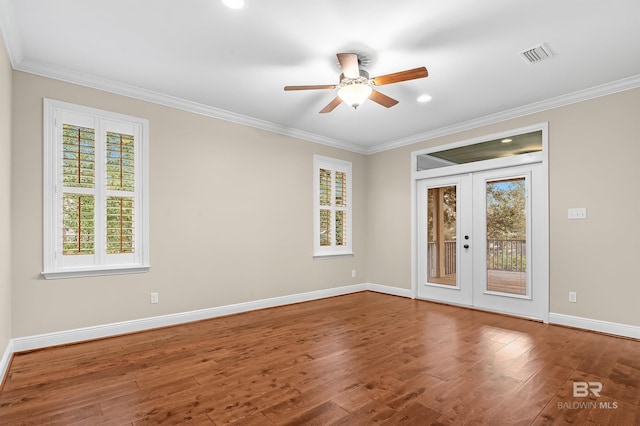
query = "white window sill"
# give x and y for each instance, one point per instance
(332, 256)
(54, 275)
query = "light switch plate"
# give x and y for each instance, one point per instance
(577, 213)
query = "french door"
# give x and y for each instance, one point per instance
(481, 241)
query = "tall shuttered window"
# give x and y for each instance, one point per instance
(332, 207)
(96, 189)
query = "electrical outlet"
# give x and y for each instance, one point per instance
(154, 297)
(353, 273)
(572, 297)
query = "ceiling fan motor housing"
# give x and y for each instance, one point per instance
(363, 79)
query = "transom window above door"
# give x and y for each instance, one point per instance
(503, 147)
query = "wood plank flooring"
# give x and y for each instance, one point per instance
(502, 281)
(359, 359)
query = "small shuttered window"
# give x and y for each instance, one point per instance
(333, 218)
(96, 181)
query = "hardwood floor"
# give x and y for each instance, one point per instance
(502, 281)
(360, 359)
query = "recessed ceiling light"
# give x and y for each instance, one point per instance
(234, 4)
(424, 98)
(506, 140)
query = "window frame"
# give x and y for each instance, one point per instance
(57, 265)
(335, 165)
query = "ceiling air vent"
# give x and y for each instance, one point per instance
(536, 54)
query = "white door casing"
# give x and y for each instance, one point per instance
(470, 179)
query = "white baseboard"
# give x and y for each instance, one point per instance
(595, 325)
(5, 360)
(107, 330)
(395, 291)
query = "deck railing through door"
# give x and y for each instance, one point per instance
(502, 255)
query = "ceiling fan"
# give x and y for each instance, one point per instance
(355, 86)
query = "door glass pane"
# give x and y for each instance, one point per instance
(507, 236)
(441, 250)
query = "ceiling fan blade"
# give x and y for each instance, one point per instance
(397, 77)
(332, 105)
(381, 99)
(349, 64)
(319, 86)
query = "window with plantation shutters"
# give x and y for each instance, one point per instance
(96, 186)
(332, 207)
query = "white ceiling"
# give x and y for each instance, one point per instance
(233, 64)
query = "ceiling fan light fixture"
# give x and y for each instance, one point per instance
(355, 87)
(355, 94)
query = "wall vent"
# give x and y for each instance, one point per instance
(536, 54)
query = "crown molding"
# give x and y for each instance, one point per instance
(559, 101)
(111, 86)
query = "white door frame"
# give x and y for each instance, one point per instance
(542, 222)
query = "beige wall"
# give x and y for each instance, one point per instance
(231, 217)
(5, 198)
(248, 195)
(594, 147)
